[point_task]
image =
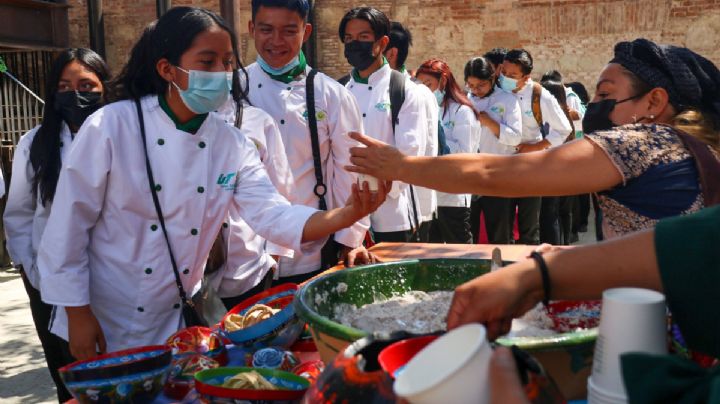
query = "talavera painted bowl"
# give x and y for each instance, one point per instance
(280, 330)
(117, 364)
(566, 356)
(208, 384)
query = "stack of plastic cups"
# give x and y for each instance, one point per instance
(632, 320)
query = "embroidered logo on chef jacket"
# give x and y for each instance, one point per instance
(382, 106)
(529, 112)
(498, 109)
(228, 181)
(320, 115)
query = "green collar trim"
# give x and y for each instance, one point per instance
(191, 126)
(290, 75)
(403, 69)
(358, 79)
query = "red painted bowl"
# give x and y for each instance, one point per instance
(394, 358)
(571, 315)
(208, 384)
(200, 340)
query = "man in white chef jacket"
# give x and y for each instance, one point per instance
(515, 78)
(277, 85)
(364, 31)
(396, 54)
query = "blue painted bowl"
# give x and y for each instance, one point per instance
(280, 330)
(208, 384)
(141, 387)
(117, 364)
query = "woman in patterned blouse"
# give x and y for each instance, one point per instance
(652, 103)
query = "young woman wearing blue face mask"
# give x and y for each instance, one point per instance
(115, 237)
(459, 123)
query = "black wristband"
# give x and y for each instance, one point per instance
(545, 275)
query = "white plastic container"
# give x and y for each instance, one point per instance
(632, 320)
(373, 183)
(452, 369)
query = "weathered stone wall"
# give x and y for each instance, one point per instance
(573, 36)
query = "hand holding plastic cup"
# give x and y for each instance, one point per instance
(452, 369)
(373, 183)
(632, 320)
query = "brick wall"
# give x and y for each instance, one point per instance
(573, 36)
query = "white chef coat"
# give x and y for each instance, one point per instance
(462, 134)
(504, 109)
(25, 216)
(427, 198)
(337, 114)
(574, 103)
(395, 214)
(248, 256)
(552, 114)
(103, 245)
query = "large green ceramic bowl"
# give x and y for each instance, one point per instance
(571, 353)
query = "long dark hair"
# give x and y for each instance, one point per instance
(439, 69)
(482, 69)
(169, 37)
(557, 89)
(45, 147)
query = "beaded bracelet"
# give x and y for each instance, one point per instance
(542, 265)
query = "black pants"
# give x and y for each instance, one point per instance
(581, 213)
(402, 236)
(424, 231)
(54, 347)
(566, 208)
(598, 219)
(549, 220)
(499, 230)
(452, 226)
(528, 213)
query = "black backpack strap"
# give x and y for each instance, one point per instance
(320, 187)
(158, 209)
(397, 98)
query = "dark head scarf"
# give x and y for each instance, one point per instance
(690, 79)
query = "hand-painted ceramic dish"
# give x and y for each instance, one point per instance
(117, 364)
(200, 340)
(282, 329)
(274, 358)
(570, 353)
(208, 384)
(182, 376)
(141, 387)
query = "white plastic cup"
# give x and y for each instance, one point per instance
(596, 395)
(632, 320)
(451, 369)
(373, 183)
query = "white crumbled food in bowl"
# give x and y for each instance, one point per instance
(425, 312)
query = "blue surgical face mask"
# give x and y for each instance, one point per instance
(506, 83)
(439, 96)
(295, 62)
(206, 91)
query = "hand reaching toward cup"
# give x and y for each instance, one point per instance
(375, 158)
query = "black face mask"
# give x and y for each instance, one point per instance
(76, 106)
(360, 54)
(597, 115)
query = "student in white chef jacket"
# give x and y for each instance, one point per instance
(248, 258)
(103, 258)
(364, 31)
(459, 122)
(515, 78)
(501, 120)
(75, 83)
(278, 86)
(396, 55)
